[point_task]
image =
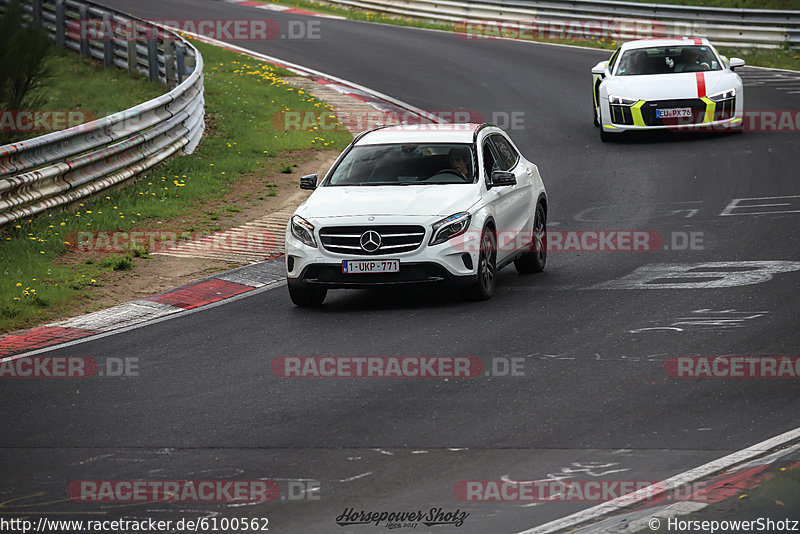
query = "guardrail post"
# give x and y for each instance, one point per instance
(133, 56)
(83, 10)
(152, 60)
(108, 43)
(37, 12)
(169, 61)
(61, 28)
(180, 59)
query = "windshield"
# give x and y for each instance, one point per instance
(667, 60)
(406, 164)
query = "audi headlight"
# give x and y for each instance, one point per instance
(450, 227)
(723, 95)
(621, 100)
(303, 230)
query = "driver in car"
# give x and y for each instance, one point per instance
(691, 61)
(458, 161)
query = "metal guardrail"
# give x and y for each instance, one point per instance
(736, 28)
(61, 167)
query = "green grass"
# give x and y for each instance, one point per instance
(76, 83)
(777, 498)
(782, 58)
(243, 98)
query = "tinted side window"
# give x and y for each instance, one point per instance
(489, 162)
(613, 60)
(505, 152)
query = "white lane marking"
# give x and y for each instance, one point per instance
(741, 204)
(707, 275)
(356, 477)
(652, 328)
(707, 319)
(667, 485)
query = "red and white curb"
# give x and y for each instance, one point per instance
(194, 295)
(722, 478)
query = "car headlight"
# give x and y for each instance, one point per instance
(451, 226)
(621, 100)
(723, 95)
(303, 230)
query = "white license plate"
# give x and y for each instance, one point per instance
(370, 266)
(672, 113)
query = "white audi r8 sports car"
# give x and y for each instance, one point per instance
(668, 83)
(417, 204)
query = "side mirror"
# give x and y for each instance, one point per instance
(500, 179)
(308, 181)
(600, 68)
(736, 62)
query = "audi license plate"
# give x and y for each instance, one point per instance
(673, 113)
(370, 266)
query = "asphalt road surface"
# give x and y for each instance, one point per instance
(593, 330)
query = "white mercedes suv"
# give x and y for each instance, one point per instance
(416, 204)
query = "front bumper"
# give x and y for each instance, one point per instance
(706, 114)
(451, 261)
(331, 275)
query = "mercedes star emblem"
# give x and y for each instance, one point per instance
(370, 241)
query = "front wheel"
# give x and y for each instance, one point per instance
(483, 288)
(305, 295)
(533, 261)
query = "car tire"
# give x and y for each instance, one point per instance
(483, 288)
(594, 117)
(534, 261)
(304, 296)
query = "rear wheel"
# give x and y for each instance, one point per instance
(304, 295)
(483, 288)
(533, 261)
